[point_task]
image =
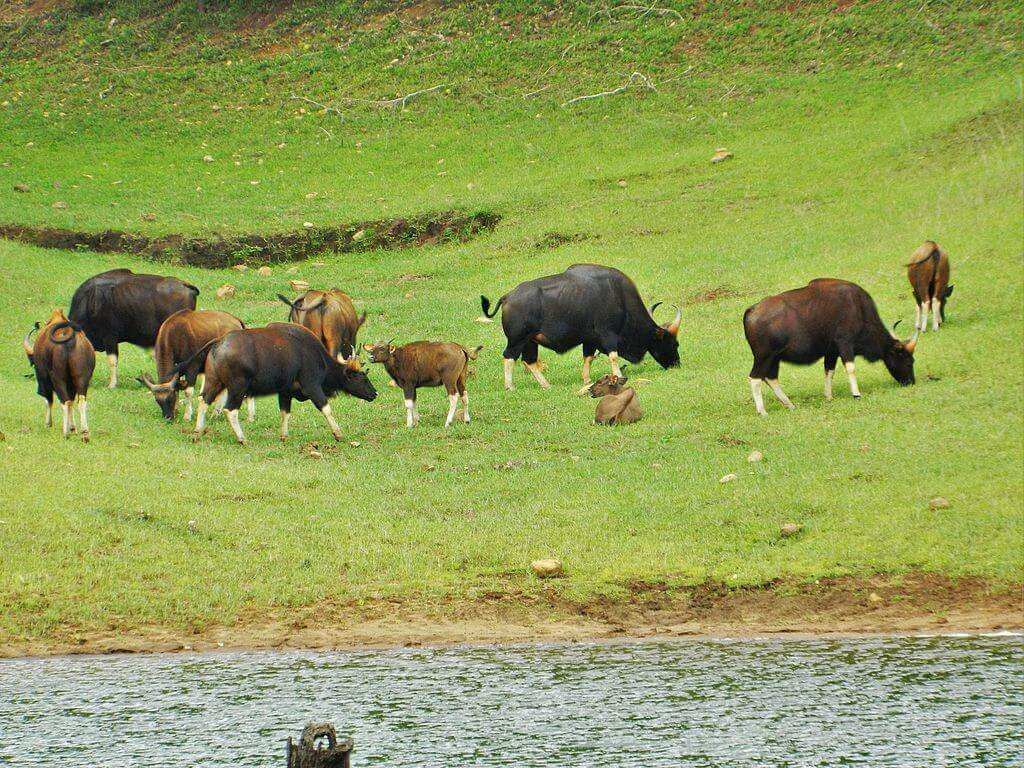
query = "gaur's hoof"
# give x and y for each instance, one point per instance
(196, 437)
(85, 437)
(337, 436)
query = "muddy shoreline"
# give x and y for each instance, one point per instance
(834, 607)
(219, 252)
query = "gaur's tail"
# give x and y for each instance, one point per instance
(485, 305)
(933, 255)
(472, 353)
(184, 364)
(64, 333)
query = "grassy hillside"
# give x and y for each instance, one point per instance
(858, 130)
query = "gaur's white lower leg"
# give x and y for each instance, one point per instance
(853, 378)
(509, 366)
(923, 309)
(465, 407)
(828, 383)
(774, 384)
(453, 404)
(613, 358)
(335, 429)
(250, 409)
(586, 369)
(218, 403)
(285, 416)
(200, 418)
(917, 316)
(66, 425)
(189, 394)
(936, 305)
(534, 368)
(755, 390)
(410, 413)
(112, 364)
(48, 414)
(236, 427)
(83, 417)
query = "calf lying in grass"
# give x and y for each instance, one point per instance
(427, 364)
(619, 404)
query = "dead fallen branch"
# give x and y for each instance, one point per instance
(318, 105)
(642, 11)
(636, 77)
(401, 101)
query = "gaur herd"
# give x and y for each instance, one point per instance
(315, 355)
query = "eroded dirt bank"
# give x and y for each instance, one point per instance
(914, 603)
(217, 252)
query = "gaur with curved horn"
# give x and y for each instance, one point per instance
(331, 317)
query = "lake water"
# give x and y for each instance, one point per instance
(937, 701)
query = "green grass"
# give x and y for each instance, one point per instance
(857, 134)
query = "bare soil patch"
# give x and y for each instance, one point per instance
(918, 602)
(219, 252)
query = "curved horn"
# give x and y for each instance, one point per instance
(673, 327)
(288, 301)
(911, 345)
(29, 349)
(145, 381)
(654, 306)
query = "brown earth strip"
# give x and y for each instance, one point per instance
(917, 602)
(220, 252)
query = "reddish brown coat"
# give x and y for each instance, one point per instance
(332, 318)
(928, 273)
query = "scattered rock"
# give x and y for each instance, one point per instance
(313, 453)
(548, 568)
(226, 291)
(621, 182)
(299, 285)
(193, 526)
(864, 448)
(874, 597)
(264, 271)
(938, 503)
(207, 158)
(292, 270)
(789, 530)
(354, 443)
(755, 456)
(728, 478)
(241, 268)
(319, 264)
(149, 217)
(359, 235)
(308, 224)
(60, 205)
(21, 187)
(721, 153)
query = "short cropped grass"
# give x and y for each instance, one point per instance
(848, 152)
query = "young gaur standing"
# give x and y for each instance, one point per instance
(427, 364)
(928, 272)
(63, 359)
(830, 319)
(283, 359)
(618, 404)
(181, 338)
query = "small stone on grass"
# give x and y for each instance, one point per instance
(938, 503)
(547, 568)
(788, 530)
(226, 291)
(728, 478)
(755, 456)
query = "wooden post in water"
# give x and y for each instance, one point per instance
(319, 747)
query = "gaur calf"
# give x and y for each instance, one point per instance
(928, 272)
(63, 359)
(618, 404)
(283, 359)
(181, 337)
(830, 319)
(427, 364)
(331, 317)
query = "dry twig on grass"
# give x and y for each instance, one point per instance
(636, 77)
(401, 101)
(318, 105)
(642, 10)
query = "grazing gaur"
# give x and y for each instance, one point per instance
(831, 319)
(283, 359)
(928, 272)
(618, 404)
(181, 337)
(589, 305)
(121, 306)
(427, 364)
(64, 360)
(331, 316)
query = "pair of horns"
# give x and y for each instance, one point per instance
(29, 349)
(672, 327)
(300, 305)
(910, 344)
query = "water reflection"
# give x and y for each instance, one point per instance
(943, 701)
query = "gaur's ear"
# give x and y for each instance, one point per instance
(391, 348)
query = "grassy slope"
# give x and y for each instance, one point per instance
(857, 134)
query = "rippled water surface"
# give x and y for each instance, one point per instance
(941, 701)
